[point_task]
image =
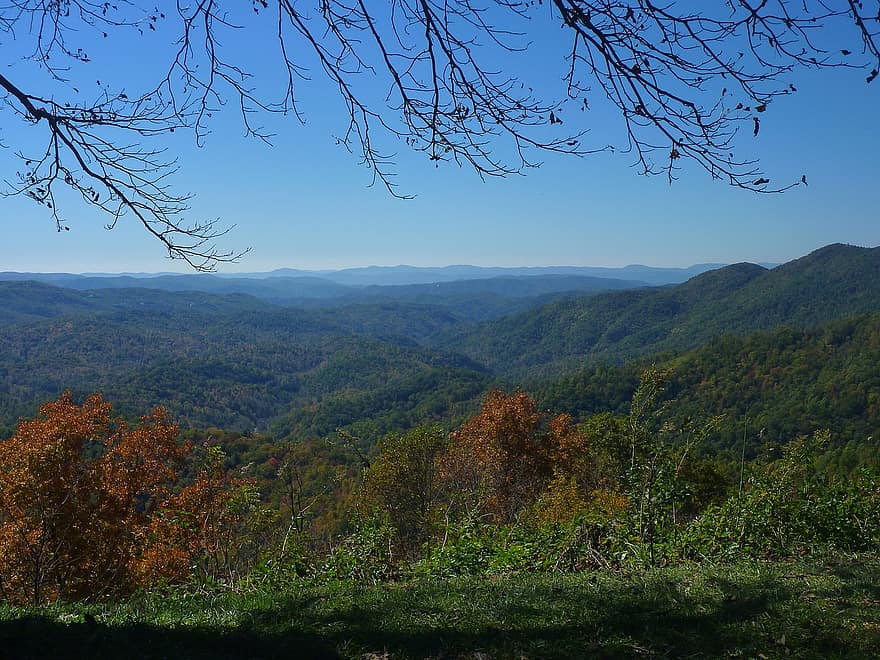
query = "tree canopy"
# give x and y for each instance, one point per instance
(465, 81)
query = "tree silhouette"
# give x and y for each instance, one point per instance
(683, 76)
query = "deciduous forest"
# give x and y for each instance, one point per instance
(509, 460)
(316, 472)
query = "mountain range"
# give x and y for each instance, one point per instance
(382, 357)
(365, 276)
(830, 283)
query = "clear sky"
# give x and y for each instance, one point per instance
(304, 202)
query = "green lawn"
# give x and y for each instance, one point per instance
(819, 608)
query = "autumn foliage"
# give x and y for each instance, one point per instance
(511, 458)
(501, 460)
(91, 507)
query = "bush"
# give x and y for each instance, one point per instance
(365, 555)
(788, 509)
(470, 548)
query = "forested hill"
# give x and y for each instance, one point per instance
(828, 284)
(46, 295)
(236, 362)
(770, 386)
(227, 361)
(27, 301)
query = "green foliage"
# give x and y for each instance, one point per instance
(441, 393)
(401, 480)
(659, 450)
(473, 548)
(773, 386)
(467, 548)
(288, 563)
(787, 508)
(364, 555)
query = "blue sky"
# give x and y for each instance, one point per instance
(306, 203)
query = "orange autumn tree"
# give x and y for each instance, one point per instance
(216, 527)
(510, 458)
(77, 496)
(498, 461)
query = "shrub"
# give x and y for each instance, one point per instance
(787, 508)
(365, 555)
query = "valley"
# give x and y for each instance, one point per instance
(743, 340)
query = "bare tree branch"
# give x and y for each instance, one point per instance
(686, 78)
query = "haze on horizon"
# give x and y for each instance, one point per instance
(233, 271)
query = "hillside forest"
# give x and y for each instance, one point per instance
(244, 433)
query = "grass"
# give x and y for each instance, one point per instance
(816, 608)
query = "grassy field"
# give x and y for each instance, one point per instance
(817, 608)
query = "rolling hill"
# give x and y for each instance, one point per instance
(401, 355)
(770, 386)
(828, 284)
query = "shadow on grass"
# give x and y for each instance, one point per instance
(714, 613)
(566, 623)
(675, 616)
(40, 637)
(859, 579)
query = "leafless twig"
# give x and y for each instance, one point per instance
(685, 78)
